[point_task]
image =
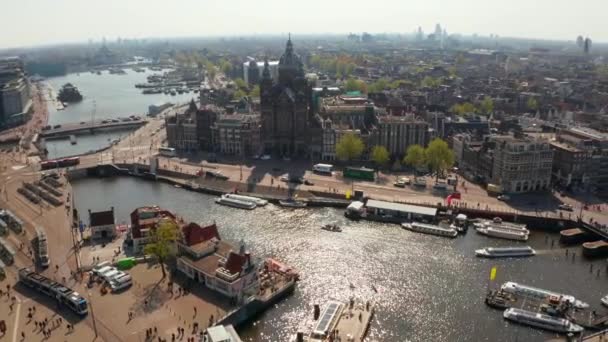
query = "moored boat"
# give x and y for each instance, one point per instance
(505, 252)
(595, 249)
(543, 321)
(502, 233)
(605, 300)
(235, 203)
(430, 229)
(256, 200)
(536, 293)
(332, 228)
(291, 203)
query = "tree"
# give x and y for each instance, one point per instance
(415, 156)
(487, 105)
(380, 155)
(354, 84)
(239, 94)
(431, 82)
(255, 92)
(349, 147)
(161, 242)
(439, 156)
(240, 84)
(463, 108)
(225, 66)
(532, 104)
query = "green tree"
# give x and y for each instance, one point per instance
(431, 82)
(255, 92)
(349, 147)
(354, 84)
(238, 94)
(161, 242)
(240, 84)
(532, 103)
(380, 155)
(415, 156)
(379, 85)
(211, 70)
(463, 108)
(487, 105)
(439, 156)
(225, 66)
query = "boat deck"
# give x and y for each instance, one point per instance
(583, 317)
(354, 322)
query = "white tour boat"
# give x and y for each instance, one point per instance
(235, 203)
(605, 300)
(540, 294)
(502, 233)
(430, 229)
(257, 201)
(543, 321)
(505, 252)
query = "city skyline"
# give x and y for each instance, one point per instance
(70, 21)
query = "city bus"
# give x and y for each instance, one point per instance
(167, 151)
(361, 173)
(323, 168)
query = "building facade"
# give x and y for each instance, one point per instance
(248, 73)
(522, 164)
(15, 101)
(397, 133)
(102, 224)
(286, 108)
(182, 133)
(237, 134)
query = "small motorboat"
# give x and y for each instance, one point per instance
(605, 300)
(332, 228)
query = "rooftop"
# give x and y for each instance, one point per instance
(101, 218)
(406, 208)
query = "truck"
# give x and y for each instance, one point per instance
(493, 189)
(326, 169)
(361, 173)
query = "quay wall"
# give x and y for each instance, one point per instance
(318, 199)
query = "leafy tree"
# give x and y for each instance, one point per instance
(487, 105)
(532, 103)
(240, 84)
(161, 242)
(463, 108)
(225, 66)
(349, 147)
(239, 94)
(415, 156)
(380, 155)
(255, 92)
(211, 70)
(439, 156)
(431, 82)
(354, 84)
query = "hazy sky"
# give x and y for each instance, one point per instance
(32, 22)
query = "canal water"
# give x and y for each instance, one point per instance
(110, 96)
(426, 288)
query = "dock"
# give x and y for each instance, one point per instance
(586, 318)
(339, 321)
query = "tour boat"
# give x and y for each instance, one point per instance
(231, 202)
(543, 321)
(430, 229)
(502, 233)
(505, 252)
(605, 300)
(256, 200)
(332, 228)
(290, 203)
(536, 293)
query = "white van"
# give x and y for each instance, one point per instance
(119, 283)
(100, 266)
(102, 270)
(110, 274)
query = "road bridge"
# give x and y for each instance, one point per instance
(89, 127)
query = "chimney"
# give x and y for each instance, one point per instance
(316, 312)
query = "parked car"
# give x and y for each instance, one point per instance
(566, 207)
(307, 182)
(57, 126)
(503, 198)
(265, 157)
(216, 175)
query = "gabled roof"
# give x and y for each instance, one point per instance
(101, 218)
(195, 234)
(235, 262)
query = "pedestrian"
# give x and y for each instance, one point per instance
(23, 335)
(195, 311)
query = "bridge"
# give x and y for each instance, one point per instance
(89, 127)
(602, 233)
